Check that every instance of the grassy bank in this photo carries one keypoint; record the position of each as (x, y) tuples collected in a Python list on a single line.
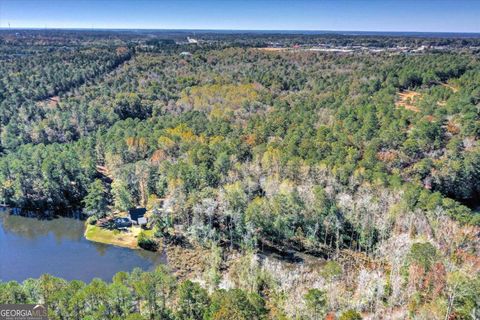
[(127, 239)]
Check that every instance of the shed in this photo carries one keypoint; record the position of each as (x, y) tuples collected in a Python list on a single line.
[(135, 214), (142, 221)]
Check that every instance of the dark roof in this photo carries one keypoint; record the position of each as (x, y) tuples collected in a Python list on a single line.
[(137, 213), (122, 222)]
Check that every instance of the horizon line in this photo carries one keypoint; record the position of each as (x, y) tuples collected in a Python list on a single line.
[(234, 29)]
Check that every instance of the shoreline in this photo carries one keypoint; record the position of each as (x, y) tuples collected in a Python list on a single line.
[(112, 237)]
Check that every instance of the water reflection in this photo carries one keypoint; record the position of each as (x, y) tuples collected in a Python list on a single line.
[(30, 228), (30, 247)]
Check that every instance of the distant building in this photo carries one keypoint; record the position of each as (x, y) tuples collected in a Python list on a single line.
[(136, 215), (192, 40), (185, 54)]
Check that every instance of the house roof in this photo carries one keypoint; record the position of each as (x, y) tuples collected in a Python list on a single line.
[(136, 213), (123, 222)]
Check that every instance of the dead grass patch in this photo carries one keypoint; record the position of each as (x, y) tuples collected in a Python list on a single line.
[(406, 99), (387, 156), (451, 87), (187, 262), (452, 127), (442, 103)]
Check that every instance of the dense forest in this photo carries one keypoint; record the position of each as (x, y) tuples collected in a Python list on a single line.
[(156, 295), (371, 157)]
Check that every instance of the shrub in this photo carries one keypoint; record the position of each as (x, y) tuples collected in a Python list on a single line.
[(316, 302), (350, 315), (236, 304), (146, 243), (92, 220), (423, 254), (331, 269)]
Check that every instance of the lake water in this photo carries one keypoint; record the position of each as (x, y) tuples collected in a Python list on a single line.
[(30, 247)]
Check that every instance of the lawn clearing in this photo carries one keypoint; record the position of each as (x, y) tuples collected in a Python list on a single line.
[(127, 239)]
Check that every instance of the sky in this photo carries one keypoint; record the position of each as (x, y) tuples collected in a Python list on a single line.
[(335, 15)]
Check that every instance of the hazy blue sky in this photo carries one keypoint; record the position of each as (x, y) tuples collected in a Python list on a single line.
[(361, 15)]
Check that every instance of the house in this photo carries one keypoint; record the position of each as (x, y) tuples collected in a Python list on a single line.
[(136, 216)]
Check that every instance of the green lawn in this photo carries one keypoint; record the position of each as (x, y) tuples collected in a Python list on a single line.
[(127, 239)]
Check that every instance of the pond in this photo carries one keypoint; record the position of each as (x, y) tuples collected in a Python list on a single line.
[(30, 247)]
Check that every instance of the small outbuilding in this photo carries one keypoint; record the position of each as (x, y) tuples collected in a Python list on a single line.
[(142, 221), (137, 215)]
